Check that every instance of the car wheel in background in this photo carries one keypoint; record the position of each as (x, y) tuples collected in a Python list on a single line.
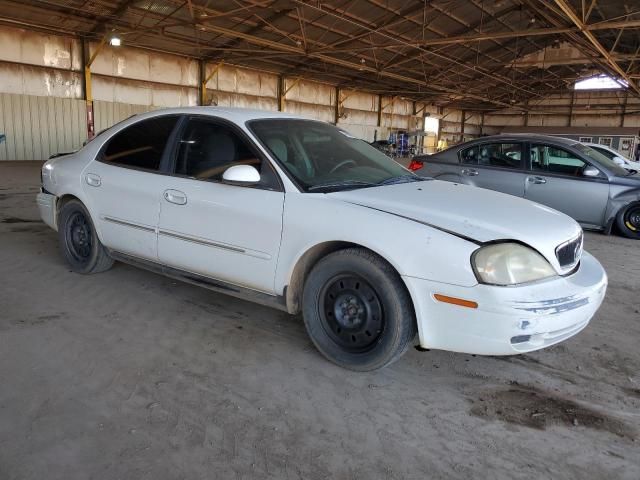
[(78, 240), (357, 310), (628, 220)]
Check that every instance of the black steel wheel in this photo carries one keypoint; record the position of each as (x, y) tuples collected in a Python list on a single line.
[(78, 236), (79, 242), (357, 310), (628, 220), (351, 313)]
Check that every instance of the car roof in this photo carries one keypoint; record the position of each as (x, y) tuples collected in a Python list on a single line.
[(531, 137), (237, 115)]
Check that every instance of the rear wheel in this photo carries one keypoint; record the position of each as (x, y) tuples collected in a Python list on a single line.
[(628, 220), (357, 310), (78, 240)]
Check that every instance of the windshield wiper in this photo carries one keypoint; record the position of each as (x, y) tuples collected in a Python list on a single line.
[(340, 185), (401, 179)]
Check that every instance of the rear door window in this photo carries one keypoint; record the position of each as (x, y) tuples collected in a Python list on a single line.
[(469, 156), (140, 145), (503, 155)]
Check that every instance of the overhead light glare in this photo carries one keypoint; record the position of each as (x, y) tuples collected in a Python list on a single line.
[(115, 41)]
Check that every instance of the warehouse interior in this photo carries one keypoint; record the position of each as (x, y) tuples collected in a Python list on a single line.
[(372, 67), (133, 375)]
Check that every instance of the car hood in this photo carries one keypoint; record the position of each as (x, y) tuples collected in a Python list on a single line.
[(628, 180), (473, 213)]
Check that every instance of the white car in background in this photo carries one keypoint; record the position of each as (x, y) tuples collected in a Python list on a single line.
[(300, 215), (616, 156)]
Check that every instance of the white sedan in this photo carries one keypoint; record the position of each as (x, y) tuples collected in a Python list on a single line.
[(299, 215), (616, 156)]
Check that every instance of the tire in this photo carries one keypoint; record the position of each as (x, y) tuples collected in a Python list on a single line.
[(357, 310), (79, 242), (628, 220)]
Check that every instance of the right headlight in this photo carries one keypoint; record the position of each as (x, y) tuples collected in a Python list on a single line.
[(510, 263)]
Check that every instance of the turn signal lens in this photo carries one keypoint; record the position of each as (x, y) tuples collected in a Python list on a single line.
[(455, 301)]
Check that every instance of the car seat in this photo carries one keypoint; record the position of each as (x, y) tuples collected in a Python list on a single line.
[(485, 158), (279, 149), (210, 154), (470, 156)]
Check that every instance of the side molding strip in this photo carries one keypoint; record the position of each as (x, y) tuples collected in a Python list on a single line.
[(128, 224), (209, 243), (199, 241)]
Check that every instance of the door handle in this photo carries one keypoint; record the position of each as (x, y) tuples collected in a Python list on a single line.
[(175, 196), (536, 180), (472, 172), (93, 179)]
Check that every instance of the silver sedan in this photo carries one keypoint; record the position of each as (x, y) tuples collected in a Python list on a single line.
[(560, 173)]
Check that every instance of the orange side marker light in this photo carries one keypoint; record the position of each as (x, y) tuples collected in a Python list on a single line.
[(455, 301)]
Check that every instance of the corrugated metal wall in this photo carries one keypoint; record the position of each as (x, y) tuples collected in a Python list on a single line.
[(37, 127), (44, 75), (107, 114)]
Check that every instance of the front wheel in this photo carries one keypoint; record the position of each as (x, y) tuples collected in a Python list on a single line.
[(357, 310), (78, 240), (628, 220)]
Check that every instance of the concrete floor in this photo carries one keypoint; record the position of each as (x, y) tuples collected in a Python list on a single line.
[(130, 375)]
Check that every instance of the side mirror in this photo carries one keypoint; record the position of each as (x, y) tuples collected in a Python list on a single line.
[(241, 175), (590, 171), (618, 161)]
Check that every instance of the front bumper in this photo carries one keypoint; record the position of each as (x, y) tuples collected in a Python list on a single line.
[(47, 207), (508, 320)]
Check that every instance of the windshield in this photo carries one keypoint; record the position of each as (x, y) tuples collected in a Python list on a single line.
[(600, 159), (321, 157), (607, 153)]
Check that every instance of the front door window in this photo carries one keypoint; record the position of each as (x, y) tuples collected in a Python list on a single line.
[(552, 159), (208, 148)]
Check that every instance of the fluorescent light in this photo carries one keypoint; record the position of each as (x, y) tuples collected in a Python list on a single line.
[(115, 41)]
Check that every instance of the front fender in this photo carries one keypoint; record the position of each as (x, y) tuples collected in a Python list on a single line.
[(412, 248), (617, 203)]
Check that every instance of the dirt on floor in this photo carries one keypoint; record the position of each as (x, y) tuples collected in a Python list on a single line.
[(131, 375)]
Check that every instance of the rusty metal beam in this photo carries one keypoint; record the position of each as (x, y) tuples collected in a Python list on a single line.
[(496, 77), (568, 11)]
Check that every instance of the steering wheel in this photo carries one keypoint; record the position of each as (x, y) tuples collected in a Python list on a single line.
[(341, 164)]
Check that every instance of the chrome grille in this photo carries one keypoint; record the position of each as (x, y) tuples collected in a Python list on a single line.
[(569, 253)]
